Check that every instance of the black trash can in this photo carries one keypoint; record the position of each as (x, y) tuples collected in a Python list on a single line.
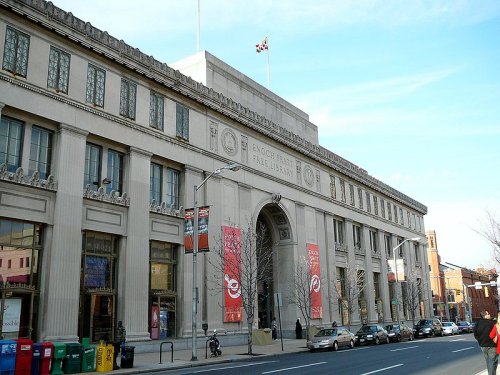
[(127, 359)]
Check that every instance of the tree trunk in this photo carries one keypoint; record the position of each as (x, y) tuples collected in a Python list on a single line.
[(250, 330)]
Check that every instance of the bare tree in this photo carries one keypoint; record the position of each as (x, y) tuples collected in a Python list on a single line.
[(299, 292), (491, 231), (250, 265), (412, 295), (350, 286)]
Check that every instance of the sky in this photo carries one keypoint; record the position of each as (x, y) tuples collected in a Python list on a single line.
[(408, 90)]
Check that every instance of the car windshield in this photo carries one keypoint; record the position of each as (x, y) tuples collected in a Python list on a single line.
[(325, 332), (463, 323), (424, 322), (390, 327), (368, 329), (447, 324)]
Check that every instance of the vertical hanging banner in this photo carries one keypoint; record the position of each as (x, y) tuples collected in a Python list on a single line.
[(233, 302), (315, 282), (203, 214)]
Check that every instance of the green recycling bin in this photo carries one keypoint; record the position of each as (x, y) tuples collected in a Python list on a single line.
[(59, 355), (72, 364), (88, 358)]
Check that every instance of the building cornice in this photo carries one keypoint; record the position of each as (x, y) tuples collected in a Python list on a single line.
[(46, 14)]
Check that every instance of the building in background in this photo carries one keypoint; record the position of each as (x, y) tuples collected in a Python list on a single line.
[(100, 148)]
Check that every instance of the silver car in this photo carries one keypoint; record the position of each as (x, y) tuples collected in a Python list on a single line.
[(450, 328), (331, 339)]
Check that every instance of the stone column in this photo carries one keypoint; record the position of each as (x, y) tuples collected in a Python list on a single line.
[(331, 270), (351, 262), (133, 292), (62, 257), (369, 294), (384, 290)]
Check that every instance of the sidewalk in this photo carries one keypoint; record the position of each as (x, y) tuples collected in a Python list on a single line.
[(147, 362)]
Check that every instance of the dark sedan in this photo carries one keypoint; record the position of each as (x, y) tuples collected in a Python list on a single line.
[(372, 334), (398, 332), (464, 327)]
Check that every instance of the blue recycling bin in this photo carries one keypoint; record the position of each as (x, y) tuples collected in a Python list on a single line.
[(8, 349), (36, 359)]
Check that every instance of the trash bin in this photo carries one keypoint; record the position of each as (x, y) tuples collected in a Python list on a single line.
[(36, 358), (104, 361), (24, 355), (8, 350), (58, 357), (88, 358), (47, 355), (72, 363), (127, 358)]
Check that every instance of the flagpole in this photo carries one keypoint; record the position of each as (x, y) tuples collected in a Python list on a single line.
[(198, 30), (268, 69)]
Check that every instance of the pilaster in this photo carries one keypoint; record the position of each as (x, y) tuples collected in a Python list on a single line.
[(369, 295), (351, 263), (384, 290)]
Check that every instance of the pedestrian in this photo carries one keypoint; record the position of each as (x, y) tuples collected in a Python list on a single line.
[(334, 324), (298, 329), (482, 334), (274, 328), (121, 334)]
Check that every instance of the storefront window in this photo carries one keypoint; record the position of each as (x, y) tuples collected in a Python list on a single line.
[(20, 249), (98, 288), (163, 263)]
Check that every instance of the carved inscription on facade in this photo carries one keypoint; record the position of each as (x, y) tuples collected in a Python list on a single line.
[(274, 162)]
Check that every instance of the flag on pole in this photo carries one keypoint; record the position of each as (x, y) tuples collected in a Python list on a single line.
[(264, 46)]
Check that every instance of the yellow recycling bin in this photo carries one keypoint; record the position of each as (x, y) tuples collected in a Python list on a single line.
[(104, 361)]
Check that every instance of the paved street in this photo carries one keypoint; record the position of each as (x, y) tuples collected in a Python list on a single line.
[(458, 355)]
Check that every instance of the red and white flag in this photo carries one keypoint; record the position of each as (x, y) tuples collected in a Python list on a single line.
[(264, 46)]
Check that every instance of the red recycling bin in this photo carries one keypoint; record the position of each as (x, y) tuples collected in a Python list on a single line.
[(24, 356), (47, 355)]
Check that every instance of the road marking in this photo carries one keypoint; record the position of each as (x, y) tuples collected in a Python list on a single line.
[(235, 366), (353, 350), (293, 368), (410, 347), (457, 340), (461, 350), (382, 369)]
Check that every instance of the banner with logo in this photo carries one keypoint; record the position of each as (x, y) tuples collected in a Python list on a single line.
[(315, 282), (233, 302), (203, 213)]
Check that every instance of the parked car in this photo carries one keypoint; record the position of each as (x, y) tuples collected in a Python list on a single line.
[(372, 334), (331, 339), (398, 332), (464, 327), (428, 327), (450, 328)]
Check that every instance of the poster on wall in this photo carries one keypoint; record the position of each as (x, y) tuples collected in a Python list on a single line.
[(233, 302), (11, 315), (315, 286), (155, 317), (203, 214)]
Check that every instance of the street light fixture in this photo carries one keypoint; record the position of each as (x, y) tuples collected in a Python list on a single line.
[(232, 167), (396, 269)]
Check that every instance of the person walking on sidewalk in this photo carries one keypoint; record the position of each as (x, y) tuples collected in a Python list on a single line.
[(274, 328), (482, 334), (298, 329)]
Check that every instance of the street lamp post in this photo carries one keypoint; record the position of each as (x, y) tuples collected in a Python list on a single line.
[(232, 167), (396, 271)]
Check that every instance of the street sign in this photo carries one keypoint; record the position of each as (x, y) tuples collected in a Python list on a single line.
[(477, 285), (394, 301)]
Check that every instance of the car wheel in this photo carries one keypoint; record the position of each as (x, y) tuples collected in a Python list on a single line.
[(312, 350), (377, 340), (335, 346), (351, 344)]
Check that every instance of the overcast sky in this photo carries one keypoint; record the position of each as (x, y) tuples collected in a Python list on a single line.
[(408, 90)]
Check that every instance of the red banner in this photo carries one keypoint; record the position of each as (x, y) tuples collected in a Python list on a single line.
[(315, 282), (203, 213), (232, 272)]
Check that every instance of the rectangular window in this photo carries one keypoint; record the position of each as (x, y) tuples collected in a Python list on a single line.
[(333, 192), (92, 172), (389, 211), (360, 198), (9, 264), (400, 248), (155, 183), (182, 122), (15, 53), (341, 282), (351, 194), (342, 191), (388, 246), (373, 241), (408, 218), (375, 205), (417, 253), (368, 202), (96, 79), (382, 207), (401, 215), (156, 111), (21, 262), (128, 92), (173, 188), (11, 140), (27, 262), (356, 235), (376, 285), (163, 260), (58, 76), (338, 231), (115, 171), (396, 214), (40, 152)]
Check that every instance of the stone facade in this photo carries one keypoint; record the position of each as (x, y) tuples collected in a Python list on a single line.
[(121, 127)]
